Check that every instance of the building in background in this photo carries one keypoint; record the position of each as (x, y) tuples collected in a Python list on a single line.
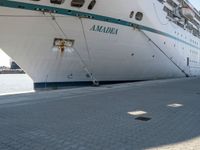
[(8, 66), (13, 65), (12, 69)]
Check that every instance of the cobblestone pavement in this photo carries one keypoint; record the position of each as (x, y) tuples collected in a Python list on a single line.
[(104, 118)]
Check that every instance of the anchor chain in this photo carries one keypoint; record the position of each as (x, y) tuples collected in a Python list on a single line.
[(84, 65)]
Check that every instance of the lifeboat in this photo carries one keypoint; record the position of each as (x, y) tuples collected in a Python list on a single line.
[(187, 13)]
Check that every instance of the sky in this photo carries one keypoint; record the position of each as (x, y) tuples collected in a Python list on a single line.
[(196, 3), (5, 60)]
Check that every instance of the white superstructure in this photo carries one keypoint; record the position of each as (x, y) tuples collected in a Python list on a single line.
[(69, 42)]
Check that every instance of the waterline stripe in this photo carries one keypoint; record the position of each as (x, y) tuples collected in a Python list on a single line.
[(36, 7), (75, 84)]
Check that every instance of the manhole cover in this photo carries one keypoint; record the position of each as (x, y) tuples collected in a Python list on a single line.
[(143, 118)]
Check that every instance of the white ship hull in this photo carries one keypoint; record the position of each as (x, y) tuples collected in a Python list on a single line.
[(144, 50)]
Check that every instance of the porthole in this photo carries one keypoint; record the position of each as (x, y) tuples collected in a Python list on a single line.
[(131, 14), (92, 4), (57, 1), (139, 16), (77, 3)]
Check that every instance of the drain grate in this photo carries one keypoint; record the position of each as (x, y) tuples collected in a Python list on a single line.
[(143, 118)]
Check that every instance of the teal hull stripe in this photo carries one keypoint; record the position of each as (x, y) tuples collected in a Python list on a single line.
[(35, 7)]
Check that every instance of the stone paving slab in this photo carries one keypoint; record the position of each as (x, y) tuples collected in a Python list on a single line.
[(104, 118)]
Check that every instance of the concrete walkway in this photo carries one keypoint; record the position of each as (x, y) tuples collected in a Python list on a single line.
[(154, 115)]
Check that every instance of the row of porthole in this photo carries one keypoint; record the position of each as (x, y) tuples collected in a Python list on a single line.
[(194, 52), (194, 42), (74, 3), (138, 16), (80, 3), (193, 61), (191, 51), (80, 15), (191, 41)]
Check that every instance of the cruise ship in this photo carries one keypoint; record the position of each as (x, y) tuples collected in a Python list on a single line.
[(62, 43)]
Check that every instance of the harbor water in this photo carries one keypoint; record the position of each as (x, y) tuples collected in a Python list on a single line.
[(15, 83)]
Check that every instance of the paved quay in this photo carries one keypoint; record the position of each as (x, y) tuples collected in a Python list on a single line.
[(153, 115)]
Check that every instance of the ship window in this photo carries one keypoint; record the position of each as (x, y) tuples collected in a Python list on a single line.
[(139, 16), (131, 14), (92, 4), (77, 3), (57, 1)]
